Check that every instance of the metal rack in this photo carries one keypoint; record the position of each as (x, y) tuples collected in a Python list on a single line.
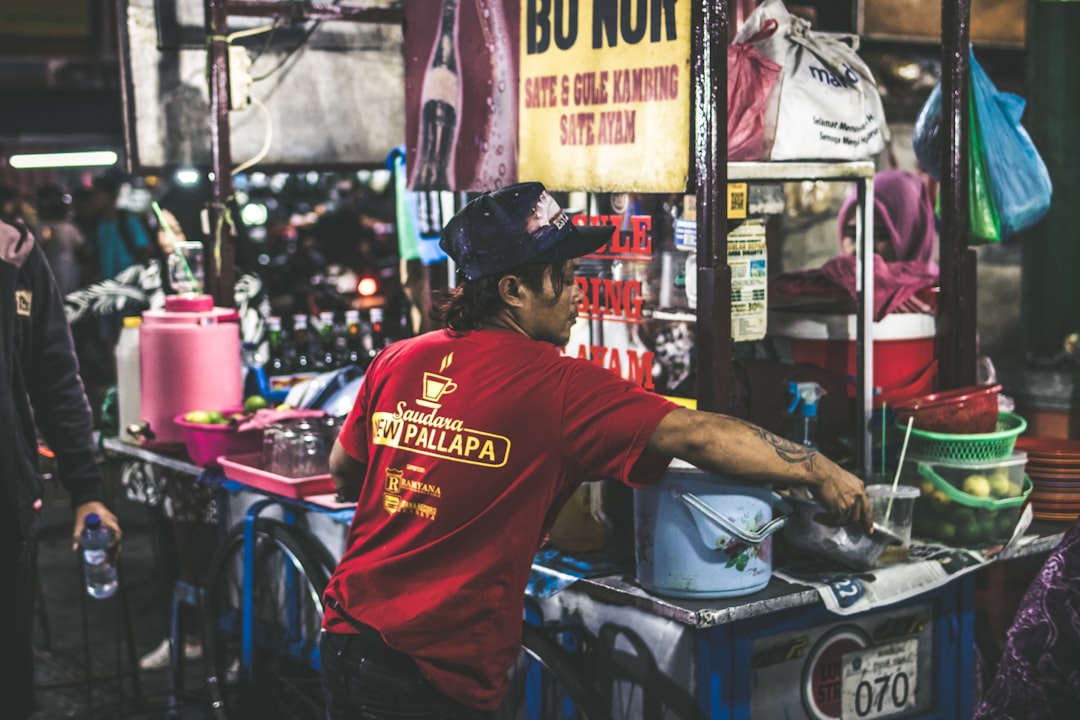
[(862, 173), (710, 175)]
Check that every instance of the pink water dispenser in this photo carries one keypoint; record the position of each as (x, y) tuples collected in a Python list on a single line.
[(189, 355)]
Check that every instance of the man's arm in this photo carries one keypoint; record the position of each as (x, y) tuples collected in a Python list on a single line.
[(736, 448), (347, 472), (59, 400)]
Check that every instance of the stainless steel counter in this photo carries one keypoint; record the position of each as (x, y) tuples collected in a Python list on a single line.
[(178, 462), (621, 590)]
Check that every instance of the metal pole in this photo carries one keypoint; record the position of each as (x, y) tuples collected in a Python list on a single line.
[(956, 312), (709, 140), (864, 335), (220, 251)]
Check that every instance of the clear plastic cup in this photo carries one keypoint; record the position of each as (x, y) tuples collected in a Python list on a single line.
[(893, 508), (185, 266)]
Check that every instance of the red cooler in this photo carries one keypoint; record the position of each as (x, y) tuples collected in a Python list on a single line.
[(905, 352), (189, 355)]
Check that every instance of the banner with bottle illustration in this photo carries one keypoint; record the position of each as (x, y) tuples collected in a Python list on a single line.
[(605, 95), (461, 90)]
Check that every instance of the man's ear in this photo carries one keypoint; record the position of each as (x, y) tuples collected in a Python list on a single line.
[(510, 290)]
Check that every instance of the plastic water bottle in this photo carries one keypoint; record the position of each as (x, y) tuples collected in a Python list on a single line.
[(100, 573)]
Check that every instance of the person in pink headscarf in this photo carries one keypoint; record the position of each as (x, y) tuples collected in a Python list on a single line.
[(904, 244), (903, 220)]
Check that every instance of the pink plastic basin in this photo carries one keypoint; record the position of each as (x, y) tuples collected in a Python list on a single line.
[(206, 443)]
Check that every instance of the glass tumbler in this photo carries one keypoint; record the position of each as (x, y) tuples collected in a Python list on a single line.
[(314, 459), (286, 453)]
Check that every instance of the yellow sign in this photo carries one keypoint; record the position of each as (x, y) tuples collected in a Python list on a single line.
[(736, 201), (604, 101)]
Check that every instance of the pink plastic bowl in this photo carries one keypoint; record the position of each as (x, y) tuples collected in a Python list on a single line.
[(963, 411), (205, 443)]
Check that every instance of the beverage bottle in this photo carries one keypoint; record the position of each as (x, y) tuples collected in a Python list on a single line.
[(326, 340), (128, 377), (377, 339), (275, 339), (302, 340), (354, 339), (440, 100), (339, 337), (100, 573)]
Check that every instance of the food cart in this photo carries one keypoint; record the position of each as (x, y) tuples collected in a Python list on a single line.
[(798, 648)]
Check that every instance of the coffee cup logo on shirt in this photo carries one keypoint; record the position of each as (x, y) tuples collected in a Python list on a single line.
[(426, 432), (435, 386)]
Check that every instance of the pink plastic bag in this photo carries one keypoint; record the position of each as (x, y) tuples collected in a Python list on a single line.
[(750, 79)]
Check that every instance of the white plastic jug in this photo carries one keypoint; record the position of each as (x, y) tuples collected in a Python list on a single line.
[(701, 536), (128, 377)]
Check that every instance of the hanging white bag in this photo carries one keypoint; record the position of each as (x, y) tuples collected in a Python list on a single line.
[(826, 104)]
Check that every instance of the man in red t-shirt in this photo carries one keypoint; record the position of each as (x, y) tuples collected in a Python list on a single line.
[(462, 447)]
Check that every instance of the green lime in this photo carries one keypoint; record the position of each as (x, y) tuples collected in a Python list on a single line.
[(1004, 523), (961, 515), (946, 532), (216, 417), (969, 532), (201, 417), (999, 483), (977, 485), (255, 402)]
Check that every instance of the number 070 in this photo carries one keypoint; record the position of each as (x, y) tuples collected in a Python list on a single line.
[(894, 688)]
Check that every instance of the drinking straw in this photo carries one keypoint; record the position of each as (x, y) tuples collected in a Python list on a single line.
[(884, 413), (899, 466), (175, 240)]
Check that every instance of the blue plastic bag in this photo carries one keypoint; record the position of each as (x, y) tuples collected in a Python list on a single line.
[(983, 221), (926, 137), (1019, 180)]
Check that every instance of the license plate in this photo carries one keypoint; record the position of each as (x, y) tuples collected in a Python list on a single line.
[(879, 682)]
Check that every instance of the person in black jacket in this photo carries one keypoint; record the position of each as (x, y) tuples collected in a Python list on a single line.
[(40, 388)]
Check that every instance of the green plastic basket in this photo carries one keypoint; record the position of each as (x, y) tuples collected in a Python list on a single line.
[(964, 448)]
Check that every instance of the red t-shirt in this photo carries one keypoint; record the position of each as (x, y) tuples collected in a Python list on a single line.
[(472, 444)]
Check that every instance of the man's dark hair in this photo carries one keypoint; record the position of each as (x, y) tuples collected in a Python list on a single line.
[(53, 202), (468, 305)]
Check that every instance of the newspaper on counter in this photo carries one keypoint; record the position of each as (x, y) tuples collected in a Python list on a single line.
[(930, 566)]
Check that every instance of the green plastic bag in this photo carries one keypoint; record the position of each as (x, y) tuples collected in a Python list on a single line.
[(982, 213)]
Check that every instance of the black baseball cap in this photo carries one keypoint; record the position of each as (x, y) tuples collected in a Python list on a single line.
[(516, 225)]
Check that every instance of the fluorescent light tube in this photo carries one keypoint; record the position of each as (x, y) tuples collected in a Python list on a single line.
[(95, 158)]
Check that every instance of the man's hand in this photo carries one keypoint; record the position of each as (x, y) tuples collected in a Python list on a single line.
[(844, 497), (739, 450), (107, 519)]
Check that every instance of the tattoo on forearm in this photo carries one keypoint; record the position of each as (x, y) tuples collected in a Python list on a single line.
[(786, 450)]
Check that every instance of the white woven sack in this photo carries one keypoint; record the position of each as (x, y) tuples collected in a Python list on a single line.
[(826, 105)]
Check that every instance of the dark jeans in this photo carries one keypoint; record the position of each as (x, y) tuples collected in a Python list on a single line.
[(363, 679), (16, 630)]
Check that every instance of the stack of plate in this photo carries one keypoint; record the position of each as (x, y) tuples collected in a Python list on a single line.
[(1054, 468)]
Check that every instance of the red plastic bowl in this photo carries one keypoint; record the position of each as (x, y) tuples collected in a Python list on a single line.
[(206, 443), (964, 411)]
